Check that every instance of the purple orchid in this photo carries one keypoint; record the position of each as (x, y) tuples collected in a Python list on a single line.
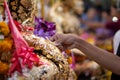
[(43, 28)]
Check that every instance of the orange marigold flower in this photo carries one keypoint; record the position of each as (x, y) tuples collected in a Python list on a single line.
[(3, 67), (6, 45), (70, 60), (4, 29)]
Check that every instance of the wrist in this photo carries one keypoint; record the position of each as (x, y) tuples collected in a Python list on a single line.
[(77, 42)]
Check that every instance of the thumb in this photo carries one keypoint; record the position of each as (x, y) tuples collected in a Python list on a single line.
[(60, 47)]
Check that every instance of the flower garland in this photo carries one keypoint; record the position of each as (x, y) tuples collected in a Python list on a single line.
[(6, 45), (71, 58), (6, 41), (3, 67), (4, 29)]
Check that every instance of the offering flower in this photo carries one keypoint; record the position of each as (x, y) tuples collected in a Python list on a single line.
[(44, 28)]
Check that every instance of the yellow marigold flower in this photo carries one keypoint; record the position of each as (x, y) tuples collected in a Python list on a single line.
[(3, 67), (68, 51), (6, 45), (4, 29), (70, 60)]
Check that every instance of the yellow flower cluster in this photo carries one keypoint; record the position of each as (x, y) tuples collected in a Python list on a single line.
[(70, 60), (6, 45), (3, 67), (7, 42), (68, 52), (4, 29)]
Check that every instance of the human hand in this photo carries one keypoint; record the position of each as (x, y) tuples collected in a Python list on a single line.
[(65, 41)]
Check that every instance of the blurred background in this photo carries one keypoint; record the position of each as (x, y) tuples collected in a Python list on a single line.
[(96, 21)]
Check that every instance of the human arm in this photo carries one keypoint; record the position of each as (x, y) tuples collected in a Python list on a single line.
[(95, 24), (102, 57), (92, 24)]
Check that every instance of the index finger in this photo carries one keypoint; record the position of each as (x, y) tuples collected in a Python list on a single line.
[(54, 37)]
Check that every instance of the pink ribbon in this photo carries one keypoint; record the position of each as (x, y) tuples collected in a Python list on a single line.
[(28, 57), (15, 66), (22, 28), (23, 52)]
